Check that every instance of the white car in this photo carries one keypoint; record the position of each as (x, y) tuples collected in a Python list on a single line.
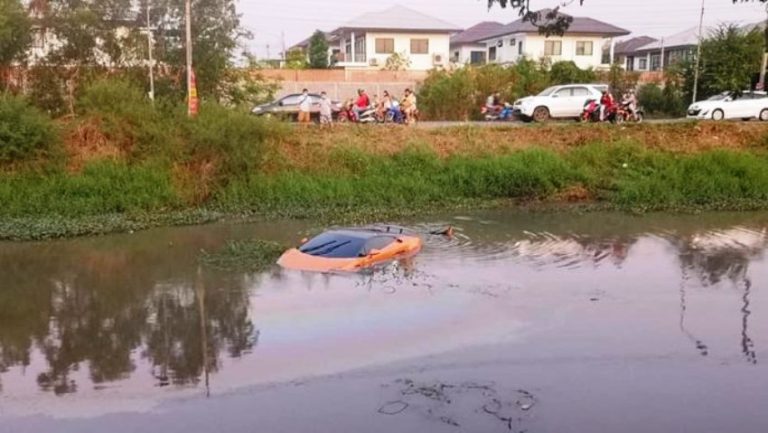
[(729, 105), (565, 101)]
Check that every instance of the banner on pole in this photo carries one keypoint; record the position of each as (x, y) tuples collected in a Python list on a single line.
[(193, 101)]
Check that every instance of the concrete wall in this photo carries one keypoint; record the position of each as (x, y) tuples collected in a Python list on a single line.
[(343, 84)]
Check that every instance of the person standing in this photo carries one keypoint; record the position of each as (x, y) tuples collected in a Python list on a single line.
[(326, 114), (305, 106), (409, 106)]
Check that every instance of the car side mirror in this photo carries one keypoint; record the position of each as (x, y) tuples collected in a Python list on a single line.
[(280, 103)]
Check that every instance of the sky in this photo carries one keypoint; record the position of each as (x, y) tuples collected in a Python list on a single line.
[(269, 20)]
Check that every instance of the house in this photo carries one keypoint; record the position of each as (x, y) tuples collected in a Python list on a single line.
[(582, 43), (624, 52), (672, 49), (466, 47), (367, 41)]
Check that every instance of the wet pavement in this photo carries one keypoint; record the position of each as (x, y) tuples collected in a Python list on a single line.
[(520, 322)]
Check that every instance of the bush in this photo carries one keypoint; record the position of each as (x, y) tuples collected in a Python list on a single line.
[(651, 97), (25, 132), (234, 140), (128, 118), (567, 72)]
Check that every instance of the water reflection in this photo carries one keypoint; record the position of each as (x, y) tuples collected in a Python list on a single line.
[(94, 312)]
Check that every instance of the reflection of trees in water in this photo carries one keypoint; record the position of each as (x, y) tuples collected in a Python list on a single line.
[(95, 307), (716, 258)]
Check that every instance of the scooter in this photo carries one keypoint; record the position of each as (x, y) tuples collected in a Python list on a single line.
[(591, 112), (347, 114), (504, 113), (624, 114)]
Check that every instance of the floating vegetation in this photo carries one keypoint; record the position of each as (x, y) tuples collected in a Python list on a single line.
[(243, 256)]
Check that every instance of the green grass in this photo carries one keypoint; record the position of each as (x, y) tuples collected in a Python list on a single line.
[(122, 196), (101, 188)]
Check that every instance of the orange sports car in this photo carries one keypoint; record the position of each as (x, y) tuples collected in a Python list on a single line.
[(349, 250)]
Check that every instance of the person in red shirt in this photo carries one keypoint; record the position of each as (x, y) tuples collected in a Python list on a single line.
[(606, 104), (362, 103)]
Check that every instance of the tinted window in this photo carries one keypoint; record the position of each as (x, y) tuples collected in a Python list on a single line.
[(336, 245), (580, 91), (290, 100)]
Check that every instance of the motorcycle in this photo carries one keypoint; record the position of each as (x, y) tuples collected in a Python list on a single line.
[(591, 112), (503, 113), (624, 114), (348, 115)]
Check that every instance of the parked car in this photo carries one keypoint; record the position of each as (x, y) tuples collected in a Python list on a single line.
[(288, 107), (564, 101), (730, 105)]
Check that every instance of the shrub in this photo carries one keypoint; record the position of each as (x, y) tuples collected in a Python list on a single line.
[(233, 139), (25, 132), (651, 97), (567, 72)]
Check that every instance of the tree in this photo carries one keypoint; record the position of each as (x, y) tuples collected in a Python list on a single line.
[(15, 34), (318, 51), (548, 21), (729, 59), (397, 62), (296, 59), (765, 39)]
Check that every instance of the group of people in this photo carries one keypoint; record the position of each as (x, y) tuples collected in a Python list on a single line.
[(608, 103), (404, 108)]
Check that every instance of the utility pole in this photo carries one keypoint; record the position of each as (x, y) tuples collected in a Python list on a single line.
[(282, 37), (698, 54), (151, 61), (761, 83), (191, 85)]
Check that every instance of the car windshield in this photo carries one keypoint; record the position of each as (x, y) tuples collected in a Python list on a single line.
[(345, 244), (548, 91), (719, 97)]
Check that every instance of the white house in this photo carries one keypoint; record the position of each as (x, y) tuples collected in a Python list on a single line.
[(466, 47), (369, 40), (582, 43)]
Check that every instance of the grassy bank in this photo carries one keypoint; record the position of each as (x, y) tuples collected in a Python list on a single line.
[(114, 172)]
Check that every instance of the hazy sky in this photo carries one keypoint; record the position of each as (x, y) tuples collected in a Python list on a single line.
[(267, 19)]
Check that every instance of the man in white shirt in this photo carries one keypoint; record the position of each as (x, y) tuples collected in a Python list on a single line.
[(305, 106)]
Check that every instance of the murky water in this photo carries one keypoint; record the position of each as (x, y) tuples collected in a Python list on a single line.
[(538, 323)]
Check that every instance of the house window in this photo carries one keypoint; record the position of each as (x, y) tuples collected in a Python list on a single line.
[(553, 48), (642, 64), (630, 63), (419, 46), (456, 57), (655, 62), (512, 42), (385, 45), (520, 48), (477, 57), (492, 54), (584, 48)]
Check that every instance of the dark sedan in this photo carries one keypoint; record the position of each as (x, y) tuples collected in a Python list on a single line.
[(288, 107)]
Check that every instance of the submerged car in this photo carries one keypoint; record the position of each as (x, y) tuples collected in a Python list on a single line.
[(288, 107), (350, 250), (730, 105), (566, 101)]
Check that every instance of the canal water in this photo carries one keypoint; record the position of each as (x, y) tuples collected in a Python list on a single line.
[(519, 322)]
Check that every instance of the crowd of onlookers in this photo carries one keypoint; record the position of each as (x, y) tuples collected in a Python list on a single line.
[(362, 108)]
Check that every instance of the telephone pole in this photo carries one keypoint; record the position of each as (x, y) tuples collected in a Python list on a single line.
[(151, 61), (761, 84), (698, 53), (191, 87)]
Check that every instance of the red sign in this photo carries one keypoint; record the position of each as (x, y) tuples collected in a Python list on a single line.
[(193, 101)]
